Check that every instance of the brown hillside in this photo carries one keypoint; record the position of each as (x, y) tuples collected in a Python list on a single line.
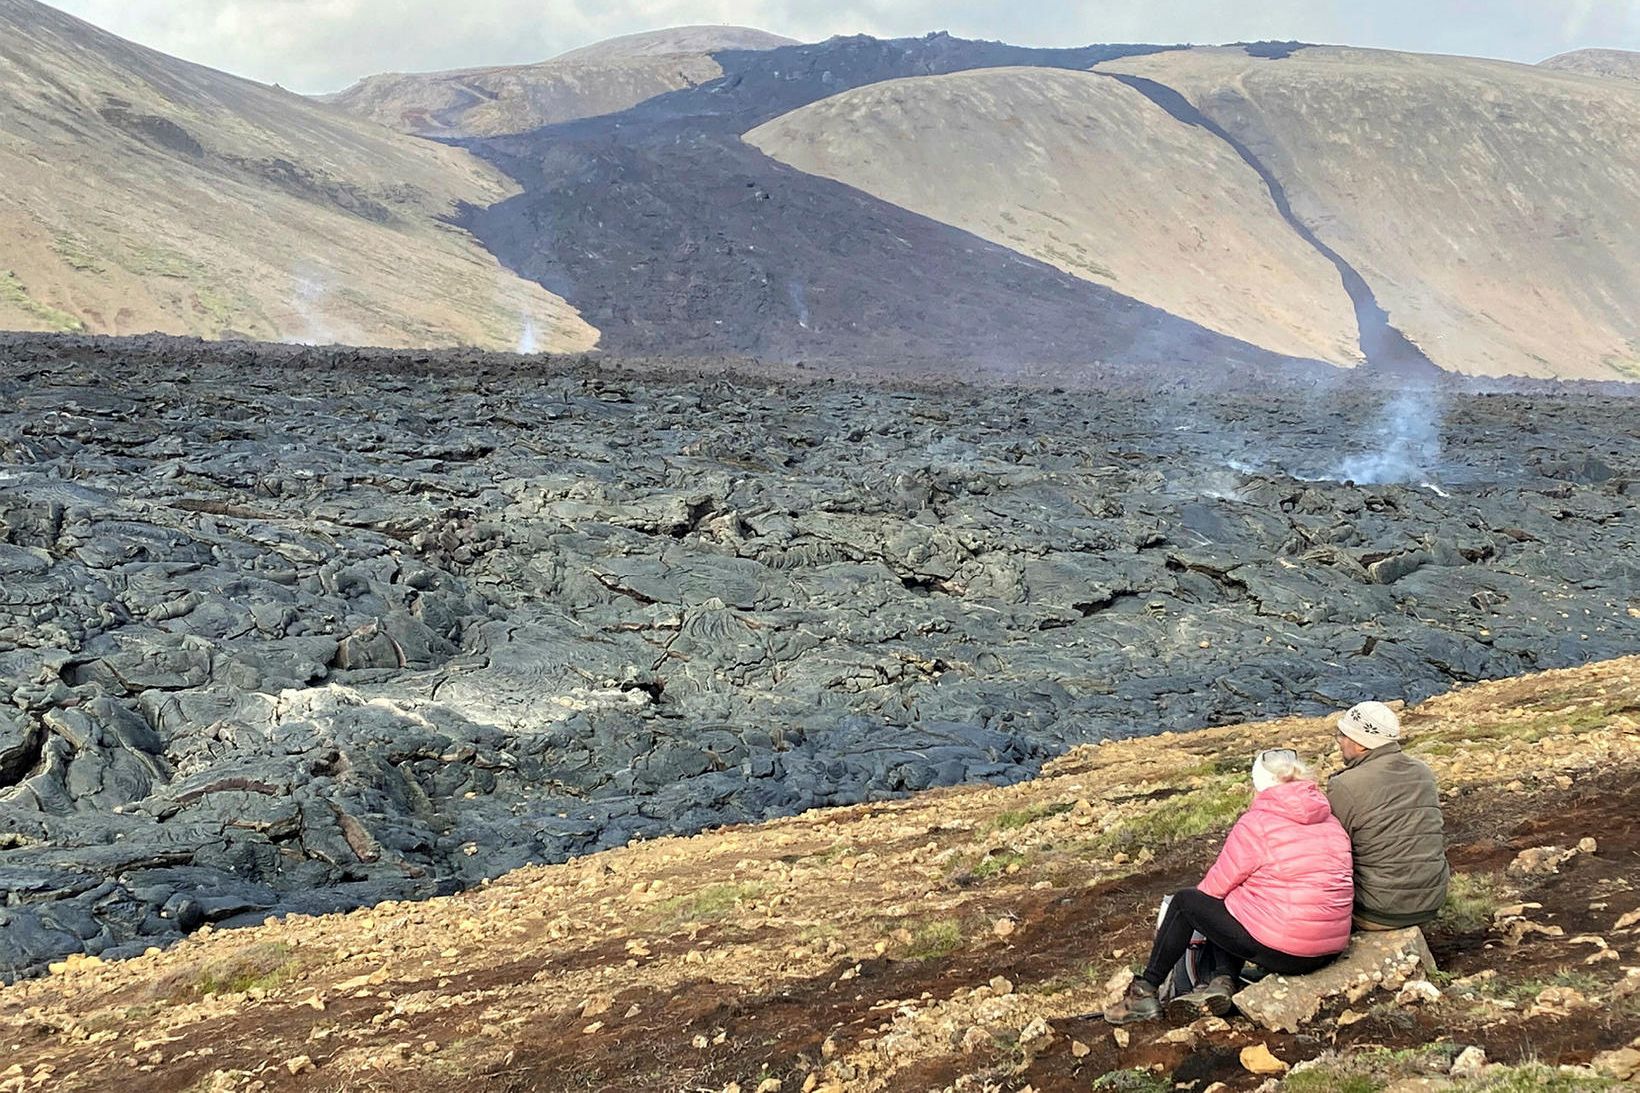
[(1620, 64), (495, 101), (1082, 172), (604, 78), (674, 40), (1489, 205), (950, 941), (145, 193)]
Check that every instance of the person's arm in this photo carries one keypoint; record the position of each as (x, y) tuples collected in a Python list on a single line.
[(1243, 853)]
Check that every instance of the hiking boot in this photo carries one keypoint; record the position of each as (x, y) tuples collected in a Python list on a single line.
[(1212, 998), (1139, 1004)]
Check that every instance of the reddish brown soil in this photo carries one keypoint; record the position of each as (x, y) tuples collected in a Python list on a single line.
[(766, 1032)]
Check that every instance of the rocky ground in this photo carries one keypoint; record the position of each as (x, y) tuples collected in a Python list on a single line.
[(957, 940), (304, 630)]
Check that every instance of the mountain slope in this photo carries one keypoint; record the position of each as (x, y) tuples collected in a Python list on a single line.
[(145, 193), (674, 236), (1620, 64), (1082, 172), (493, 101), (1489, 205), (598, 79)]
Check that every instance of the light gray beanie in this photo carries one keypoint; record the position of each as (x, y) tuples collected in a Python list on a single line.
[(1370, 724)]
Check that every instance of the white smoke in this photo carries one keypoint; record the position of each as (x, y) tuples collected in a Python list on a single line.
[(1408, 442), (309, 302), (800, 302), (527, 342)]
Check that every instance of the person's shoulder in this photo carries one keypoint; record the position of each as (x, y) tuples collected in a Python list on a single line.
[(1343, 792), (1342, 779), (1417, 766)]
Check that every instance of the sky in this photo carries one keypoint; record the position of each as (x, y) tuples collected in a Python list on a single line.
[(324, 45)]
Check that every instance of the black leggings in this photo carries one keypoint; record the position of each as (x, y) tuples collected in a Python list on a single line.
[(1229, 945)]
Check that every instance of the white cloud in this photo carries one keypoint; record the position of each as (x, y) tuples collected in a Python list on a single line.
[(320, 45)]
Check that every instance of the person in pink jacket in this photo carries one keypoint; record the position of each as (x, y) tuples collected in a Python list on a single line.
[(1280, 896)]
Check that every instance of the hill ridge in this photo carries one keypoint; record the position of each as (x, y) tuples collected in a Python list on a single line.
[(146, 193)]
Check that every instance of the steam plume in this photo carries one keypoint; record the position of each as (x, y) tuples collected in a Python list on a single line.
[(311, 293), (1409, 434)]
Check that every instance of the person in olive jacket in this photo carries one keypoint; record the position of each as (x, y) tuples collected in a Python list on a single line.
[(1389, 804)]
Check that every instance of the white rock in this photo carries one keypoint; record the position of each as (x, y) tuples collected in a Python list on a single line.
[(1418, 991), (1469, 1063)]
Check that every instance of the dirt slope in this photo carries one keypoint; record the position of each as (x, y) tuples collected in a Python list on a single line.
[(1620, 64), (950, 941), (1489, 205), (598, 79), (1082, 172), (145, 193)]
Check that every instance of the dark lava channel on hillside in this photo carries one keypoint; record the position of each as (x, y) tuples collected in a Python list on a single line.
[(295, 629), (675, 237)]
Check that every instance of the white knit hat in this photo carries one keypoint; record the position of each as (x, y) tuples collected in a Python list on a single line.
[(1370, 724), (1274, 766)]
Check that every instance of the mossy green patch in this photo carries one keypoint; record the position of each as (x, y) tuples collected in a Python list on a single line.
[(1524, 991), (15, 293), (1015, 818), (77, 255), (1326, 1079), (1171, 820), (935, 939), (219, 309), (995, 865), (1537, 1078), (1471, 900), (159, 262), (1628, 367), (1132, 1081), (1561, 722), (709, 904)]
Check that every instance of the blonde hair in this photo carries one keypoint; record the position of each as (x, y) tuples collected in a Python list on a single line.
[(1287, 770), (1277, 766)]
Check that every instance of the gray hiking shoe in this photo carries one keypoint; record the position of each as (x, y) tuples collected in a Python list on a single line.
[(1139, 1004), (1213, 999)]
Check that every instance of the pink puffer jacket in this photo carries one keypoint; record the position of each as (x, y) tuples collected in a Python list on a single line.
[(1285, 872)]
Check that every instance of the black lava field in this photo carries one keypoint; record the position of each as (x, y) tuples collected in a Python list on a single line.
[(294, 630)]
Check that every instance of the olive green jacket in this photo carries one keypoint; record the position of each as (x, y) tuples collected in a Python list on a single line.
[(1388, 802)]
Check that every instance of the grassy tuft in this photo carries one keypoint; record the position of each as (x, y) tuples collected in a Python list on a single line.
[(826, 857), (1214, 807), (1538, 1078), (709, 904), (1471, 900), (1015, 818), (1132, 1081), (1527, 990), (996, 865), (265, 964), (1327, 1079), (932, 940)]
